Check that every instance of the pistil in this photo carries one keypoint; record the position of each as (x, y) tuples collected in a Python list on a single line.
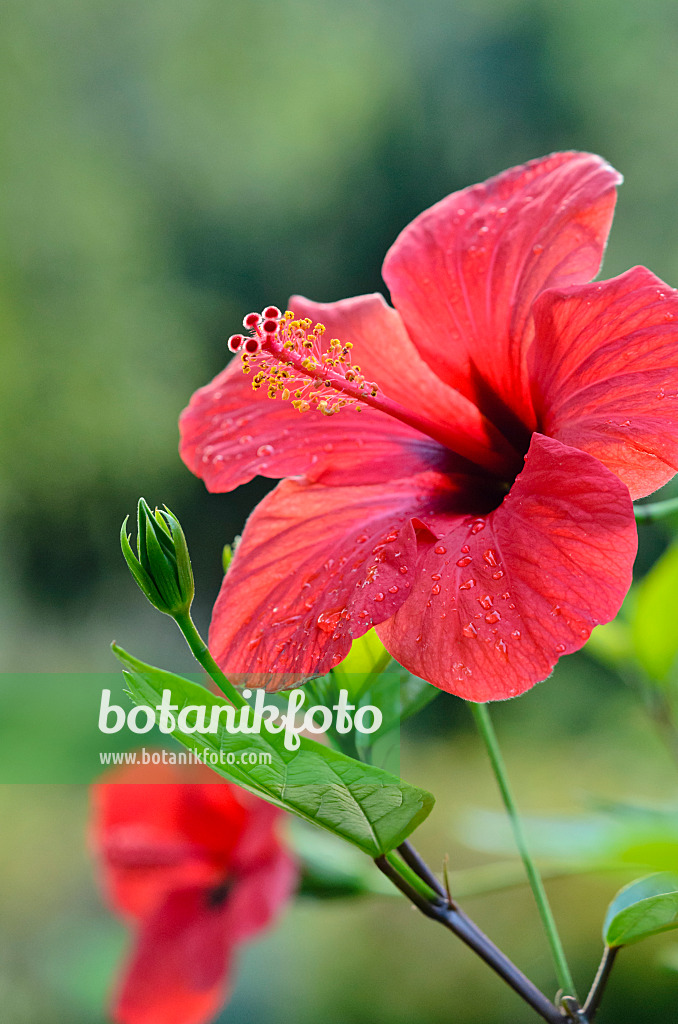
[(294, 362)]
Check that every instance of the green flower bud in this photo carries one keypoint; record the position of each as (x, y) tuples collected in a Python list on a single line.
[(162, 566)]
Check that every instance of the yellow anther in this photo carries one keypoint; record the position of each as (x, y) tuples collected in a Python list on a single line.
[(285, 394)]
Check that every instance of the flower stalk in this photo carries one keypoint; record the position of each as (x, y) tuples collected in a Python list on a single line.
[(483, 721)]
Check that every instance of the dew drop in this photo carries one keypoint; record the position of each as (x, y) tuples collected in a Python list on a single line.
[(435, 589), (512, 607), (361, 539), (477, 525), (492, 617), (327, 621), (660, 393), (498, 574), (485, 602), (491, 558), (560, 648), (363, 614), (254, 642), (470, 630), (393, 590), (436, 576), (465, 549), (403, 569), (556, 610), (244, 439), (467, 585), (440, 549), (515, 635), (466, 560), (264, 450), (379, 596), (418, 639), (501, 647), (537, 250)]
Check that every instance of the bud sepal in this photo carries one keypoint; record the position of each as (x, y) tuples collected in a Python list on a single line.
[(161, 566)]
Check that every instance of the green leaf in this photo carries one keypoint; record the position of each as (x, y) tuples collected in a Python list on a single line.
[(646, 907), (655, 638), (364, 805)]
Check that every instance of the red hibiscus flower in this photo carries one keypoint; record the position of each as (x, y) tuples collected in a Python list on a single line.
[(199, 869), (470, 492)]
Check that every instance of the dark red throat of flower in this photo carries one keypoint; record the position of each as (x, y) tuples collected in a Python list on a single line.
[(295, 363)]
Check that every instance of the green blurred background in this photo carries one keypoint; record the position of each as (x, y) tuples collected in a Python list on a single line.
[(166, 167)]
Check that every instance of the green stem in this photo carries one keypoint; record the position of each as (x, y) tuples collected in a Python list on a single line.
[(655, 510), (202, 655), (484, 723), (410, 876)]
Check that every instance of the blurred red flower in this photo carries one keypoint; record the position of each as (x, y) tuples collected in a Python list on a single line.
[(198, 868), (477, 507)]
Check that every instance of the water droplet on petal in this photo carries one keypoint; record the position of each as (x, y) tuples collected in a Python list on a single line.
[(470, 630), (440, 549), (264, 450), (465, 549), (491, 558), (501, 647), (327, 621), (477, 525), (485, 602), (515, 635), (467, 586), (403, 569), (436, 576), (464, 561), (560, 648), (435, 589), (492, 617), (393, 590), (379, 596), (244, 439), (498, 574)]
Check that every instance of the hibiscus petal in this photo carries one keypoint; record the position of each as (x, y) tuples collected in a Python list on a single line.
[(464, 274), (179, 969), (136, 834), (259, 895), (605, 369), (316, 567), (498, 599)]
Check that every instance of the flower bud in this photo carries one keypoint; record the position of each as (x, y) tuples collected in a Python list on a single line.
[(161, 567)]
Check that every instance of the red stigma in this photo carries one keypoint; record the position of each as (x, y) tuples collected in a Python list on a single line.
[(251, 321), (269, 326), (252, 346), (271, 313), (234, 342)]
